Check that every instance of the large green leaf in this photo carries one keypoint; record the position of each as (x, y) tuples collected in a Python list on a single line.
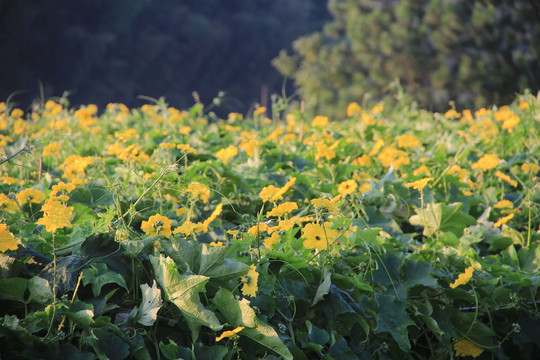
[(392, 317), (214, 265), (442, 217), (239, 313), (13, 289), (40, 290), (183, 291)]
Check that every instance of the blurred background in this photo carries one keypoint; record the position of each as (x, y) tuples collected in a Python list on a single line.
[(327, 52)]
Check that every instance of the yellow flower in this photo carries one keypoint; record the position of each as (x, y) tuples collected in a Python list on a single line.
[(184, 130), (282, 209), (423, 169), (320, 121), (503, 204), (317, 236), (259, 111), (258, 228), (30, 195), (157, 225), (186, 148), (377, 108), (353, 109), (523, 105), (530, 167), (250, 286), (363, 160), (249, 146), (463, 278), (510, 123), (486, 162), (227, 153), (452, 114), (7, 240), (405, 141), (503, 220), (457, 170), (127, 135), (235, 116), (364, 188), (55, 215), (268, 192), (206, 223), (378, 145), (392, 156), (506, 178), (7, 204), (53, 149), (325, 151), (331, 206), (230, 333), (419, 184), (466, 348), (187, 228), (347, 187), (278, 195), (273, 239), (199, 191), (62, 186), (367, 119), (74, 166), (167, 145)]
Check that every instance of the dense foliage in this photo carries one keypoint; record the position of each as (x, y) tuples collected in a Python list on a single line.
[(397, 233), (472, 52)]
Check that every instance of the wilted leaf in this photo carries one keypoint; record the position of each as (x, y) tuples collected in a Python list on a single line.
[(151, 302)]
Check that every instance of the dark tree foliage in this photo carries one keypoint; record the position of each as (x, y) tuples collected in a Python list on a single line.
[(112, 51), (473, 52)]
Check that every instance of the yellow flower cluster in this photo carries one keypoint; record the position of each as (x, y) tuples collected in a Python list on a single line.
[(56, 215), (486, 162)]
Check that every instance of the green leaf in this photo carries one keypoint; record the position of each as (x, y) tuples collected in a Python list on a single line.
[(317, 335), (183, 291), (151, 302), (99, 275), (13, 289), (81, 313), (241, 314), (185, 254), (214, 265), (40, 290), (110, 345), (392, 318), (134, 247), (237, 312), (323, 288), (442, 217), (417, 272)]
